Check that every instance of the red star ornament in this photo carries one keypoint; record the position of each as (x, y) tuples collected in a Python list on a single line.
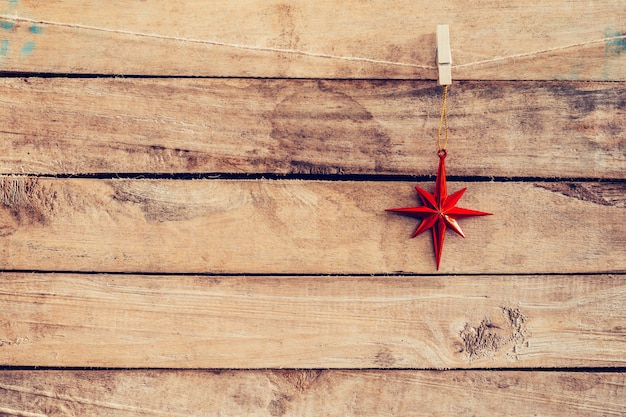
[(439, 210)]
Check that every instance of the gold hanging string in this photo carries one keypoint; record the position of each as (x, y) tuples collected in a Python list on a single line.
[(443, 123)]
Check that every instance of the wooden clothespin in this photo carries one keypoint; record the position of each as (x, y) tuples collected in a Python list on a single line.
[(444, 56)]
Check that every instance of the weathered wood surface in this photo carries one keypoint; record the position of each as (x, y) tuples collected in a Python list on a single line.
[(311, 393), (69, 126), (303, 227), (312, 322), (299, 38), (163, 231)]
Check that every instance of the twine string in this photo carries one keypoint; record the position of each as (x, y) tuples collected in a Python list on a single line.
[(14, 18)]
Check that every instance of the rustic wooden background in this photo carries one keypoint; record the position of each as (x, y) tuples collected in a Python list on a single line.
[(192, 209)]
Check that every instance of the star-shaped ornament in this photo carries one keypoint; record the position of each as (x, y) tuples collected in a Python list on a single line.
[(439, 210)]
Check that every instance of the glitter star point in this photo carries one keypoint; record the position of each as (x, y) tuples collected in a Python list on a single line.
[(439, 210)]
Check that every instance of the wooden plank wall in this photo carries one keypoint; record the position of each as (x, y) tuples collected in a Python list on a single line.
[(192, 202)]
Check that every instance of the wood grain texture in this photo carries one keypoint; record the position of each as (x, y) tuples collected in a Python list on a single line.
[(312, 322), (329, 39), (302, 227), (70, 126), (218, 273), (311, 393)]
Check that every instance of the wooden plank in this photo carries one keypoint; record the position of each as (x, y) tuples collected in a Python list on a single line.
[(302, 227), (148, 321), (69, 126), (504, 40), (311, 393)]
